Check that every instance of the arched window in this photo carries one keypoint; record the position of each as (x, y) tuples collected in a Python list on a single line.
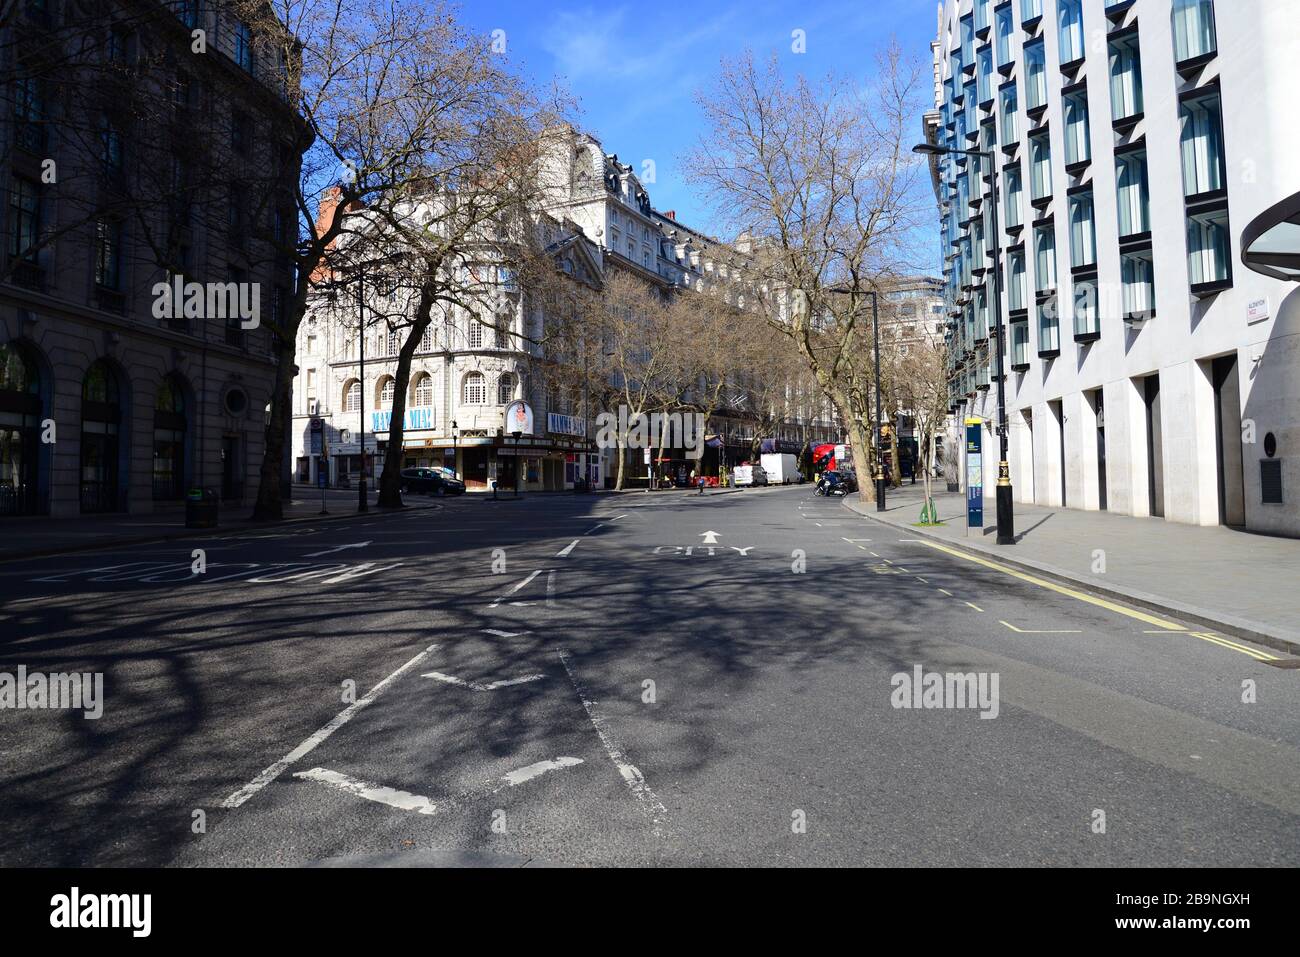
[(475, 389), (103, 475), (385, 393), (352, 396), (505, 388), (422, 394), (20, 428)]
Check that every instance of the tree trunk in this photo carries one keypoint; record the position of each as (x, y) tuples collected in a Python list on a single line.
[(622, 466), (269, 507), (860, 438), (390, 482)]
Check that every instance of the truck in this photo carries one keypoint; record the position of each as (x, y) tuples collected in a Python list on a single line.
[(782, 468)]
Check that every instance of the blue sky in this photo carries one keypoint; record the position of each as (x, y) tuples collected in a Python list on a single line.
[(635, 66)]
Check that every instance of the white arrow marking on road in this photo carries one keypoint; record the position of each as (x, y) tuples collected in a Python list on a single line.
[(538, 769), (331, 551), (403, 800), (340, 719), (475, 686), (518, 585), (710, 538)]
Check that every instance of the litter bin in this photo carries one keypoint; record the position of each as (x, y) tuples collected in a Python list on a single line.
[(201, 508)]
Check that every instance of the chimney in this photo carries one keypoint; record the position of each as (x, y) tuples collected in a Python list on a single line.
[(672, 214)]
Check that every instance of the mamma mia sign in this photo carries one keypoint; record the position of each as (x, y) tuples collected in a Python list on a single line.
[(421, 417)]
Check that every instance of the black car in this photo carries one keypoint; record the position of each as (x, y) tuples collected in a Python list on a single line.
[(430, 482)]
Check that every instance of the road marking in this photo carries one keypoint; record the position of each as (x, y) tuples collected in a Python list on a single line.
[(564, 552), (617, 517), (593, 528), (631, 775), (516, 588), (875, 555), (854, 541), (710, 538), (360, 571), (922, 580), (550, 588), (476, 686), (307, 746), (403, 800), (946, 592), (536, 770), (976, 607), (1028, 631), (1226, 643), (1060, 589), (506, 634), (339, 548)]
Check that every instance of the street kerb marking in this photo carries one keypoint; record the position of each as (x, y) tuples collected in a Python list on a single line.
[(517, 587), (631, 775), (307, 746), (477, 686), (564, 552), (1030, 631), (1059, 589), (1232, 645)]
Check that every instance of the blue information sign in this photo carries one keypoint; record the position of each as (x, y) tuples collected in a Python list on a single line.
[(974, 476)]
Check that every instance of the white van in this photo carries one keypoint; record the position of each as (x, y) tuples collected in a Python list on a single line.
[(749, 475), (782, 468)]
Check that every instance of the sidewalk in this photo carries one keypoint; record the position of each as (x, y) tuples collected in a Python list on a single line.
[(37, 536), (1232, 581)]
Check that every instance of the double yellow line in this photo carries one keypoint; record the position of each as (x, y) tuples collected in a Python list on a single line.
[(1164, 624)]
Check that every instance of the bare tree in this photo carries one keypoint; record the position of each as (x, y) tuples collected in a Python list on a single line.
[(922, 390), (820, 184)]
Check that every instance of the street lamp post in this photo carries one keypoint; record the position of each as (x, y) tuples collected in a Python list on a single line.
[(361, 389), (1006, 513), (455, 459), (880, 455)]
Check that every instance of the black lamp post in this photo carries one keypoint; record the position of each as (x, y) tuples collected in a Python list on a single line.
[(880, 452), (1006, 514), (361, 388), (455, 461)]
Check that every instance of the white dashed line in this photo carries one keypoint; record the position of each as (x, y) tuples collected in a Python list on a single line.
[(564, 552), (516, 588)]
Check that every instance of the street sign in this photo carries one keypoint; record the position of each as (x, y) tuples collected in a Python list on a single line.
[(317, 431), (974, 475)]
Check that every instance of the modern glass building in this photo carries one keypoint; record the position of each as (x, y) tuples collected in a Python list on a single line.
[(1153, 356)]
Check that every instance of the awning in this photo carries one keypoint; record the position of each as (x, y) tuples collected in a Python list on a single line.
[(1270, 244)]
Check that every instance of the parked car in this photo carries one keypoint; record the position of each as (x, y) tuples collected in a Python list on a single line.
[(749, 475), (430, 482)]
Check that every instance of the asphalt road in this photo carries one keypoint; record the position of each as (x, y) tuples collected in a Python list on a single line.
[(580, 680)]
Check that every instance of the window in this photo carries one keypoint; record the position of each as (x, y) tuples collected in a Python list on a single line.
[(1049, 329), (1083, 235), (1013, 197), (982, 8), (1069, 15), (1019, 345), (981, 313), (244, 45), (1045, 258), (475, 334), (1035, 75), (1016, 280), (1010, 104), (24, 218), (986, 75), (1087, 324), (475, 389), (29, 114), (1133, 193), (241, 132), (386, 389), (1209, 247), (426, 339), (505, 388), (352, 396), (1078, 147), (187, 11), (1137, 273), (1040, 167), (968, 39), (1125, 78), (1202, 145), (1004, 30), (1193, 29), (1031, 9), (423, 390), (108, 254), (110, 148)]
